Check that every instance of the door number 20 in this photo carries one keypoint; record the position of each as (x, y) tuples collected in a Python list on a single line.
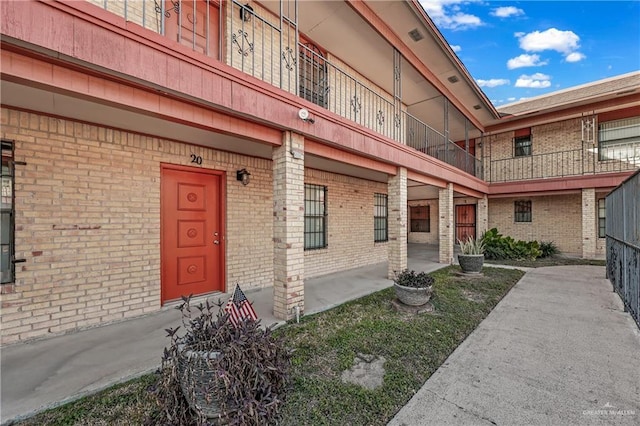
[(196, 159)]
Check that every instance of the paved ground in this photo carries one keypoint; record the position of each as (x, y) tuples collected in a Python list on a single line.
[(48, 372), (557, 350)]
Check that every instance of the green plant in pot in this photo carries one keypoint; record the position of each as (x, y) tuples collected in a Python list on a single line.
[(413, 288), (218, 372), (471, 259)]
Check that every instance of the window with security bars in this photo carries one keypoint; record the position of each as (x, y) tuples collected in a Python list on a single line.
[(380, 218), (522, 146), (7, 215), (313, 75), (601, 218), (315, 216), (620, 140), (419, 219), (522, 211)]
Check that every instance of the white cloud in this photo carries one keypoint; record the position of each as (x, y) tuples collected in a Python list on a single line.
[(447, 14), (494, 82), (535, 81), (525, 60), (511, 99), (574, 57), (507, 11), (455, 47), (552, 39)]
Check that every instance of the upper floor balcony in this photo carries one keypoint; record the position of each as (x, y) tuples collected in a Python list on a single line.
[(327, 54)]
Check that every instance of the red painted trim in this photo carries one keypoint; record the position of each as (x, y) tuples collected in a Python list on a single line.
[(325, 151), (427, 180), (223, 217), (509, 123), (522, 132), (608, 180), (467, 191), (619, 114)]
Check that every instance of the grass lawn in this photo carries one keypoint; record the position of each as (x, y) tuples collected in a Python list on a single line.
[(326, 344), (549, 261)]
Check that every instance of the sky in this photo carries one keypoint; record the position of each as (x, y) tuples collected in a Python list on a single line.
[(521, 49)]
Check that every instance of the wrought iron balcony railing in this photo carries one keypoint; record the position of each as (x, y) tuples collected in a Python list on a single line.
[(565, 163), (269, 47)]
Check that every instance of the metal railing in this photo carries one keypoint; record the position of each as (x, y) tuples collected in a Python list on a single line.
[(267, 47), (565, 163), (623, 243)]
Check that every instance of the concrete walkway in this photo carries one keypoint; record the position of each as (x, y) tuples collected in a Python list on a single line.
[(557, 350), (46, 373)]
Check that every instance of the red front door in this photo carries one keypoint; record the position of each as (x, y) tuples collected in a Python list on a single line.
[(192, 226), (465, 222), (194, 24)]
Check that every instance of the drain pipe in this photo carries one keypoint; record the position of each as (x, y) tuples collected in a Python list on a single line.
[(297, 308)]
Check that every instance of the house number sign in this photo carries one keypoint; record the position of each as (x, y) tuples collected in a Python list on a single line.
[(196, 159)]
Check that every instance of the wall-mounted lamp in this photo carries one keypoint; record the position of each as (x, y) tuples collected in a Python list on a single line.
[(245, 12), (243, 176), (303, 114)]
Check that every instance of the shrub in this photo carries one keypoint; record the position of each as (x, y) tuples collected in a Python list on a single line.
[(499, 247), (472, 246), (548, 249), (243, 368), (408, 278)]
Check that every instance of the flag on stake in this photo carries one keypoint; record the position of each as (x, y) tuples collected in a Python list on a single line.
[(239, 308)]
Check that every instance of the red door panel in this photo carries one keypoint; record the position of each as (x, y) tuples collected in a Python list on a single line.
[(194, 25), (465, 222), (191, 204)]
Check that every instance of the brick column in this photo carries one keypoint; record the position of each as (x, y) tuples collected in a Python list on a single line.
[(482, 219), (589, 231), (446, 225), (288, 226), (397, 197)]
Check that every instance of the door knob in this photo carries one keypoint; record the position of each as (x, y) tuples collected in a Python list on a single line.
[(216, 242)]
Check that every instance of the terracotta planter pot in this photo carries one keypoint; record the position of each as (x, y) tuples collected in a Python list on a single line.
[(471, 263), (413, 296)]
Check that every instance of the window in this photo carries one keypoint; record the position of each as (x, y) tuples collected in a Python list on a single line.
[(420, 219), (522, 146), (7, 224), (315, 216), (522, 211), (620, 140), (601, 218), (380, 218), (313, 75)]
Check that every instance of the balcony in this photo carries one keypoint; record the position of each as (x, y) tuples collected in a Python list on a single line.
[(586, 161), (263, 40)]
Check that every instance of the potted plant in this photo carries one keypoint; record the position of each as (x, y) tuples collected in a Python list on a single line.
[(472, 257), (413, 289), (220, 372)]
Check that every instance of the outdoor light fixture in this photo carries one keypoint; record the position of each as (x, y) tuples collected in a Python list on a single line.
[(245, 12), (243, 176)]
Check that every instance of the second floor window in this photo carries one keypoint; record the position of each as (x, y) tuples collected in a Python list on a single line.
[(522, 211), (313, 75), (315, 216), (522, 146), (620, 140)]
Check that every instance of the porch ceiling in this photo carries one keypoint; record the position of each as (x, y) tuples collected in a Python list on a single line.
[(419, 191)]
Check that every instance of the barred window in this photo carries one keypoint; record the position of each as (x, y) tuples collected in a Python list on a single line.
[(420, 219), (7, 224), (522, 211), (602, 232), (620, 140), (315, 216), (522, 146), (380, 218)]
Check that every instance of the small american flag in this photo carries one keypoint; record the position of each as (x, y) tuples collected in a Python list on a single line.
[(239, 308)]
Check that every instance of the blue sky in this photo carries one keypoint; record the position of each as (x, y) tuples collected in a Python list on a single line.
[(521, 49)]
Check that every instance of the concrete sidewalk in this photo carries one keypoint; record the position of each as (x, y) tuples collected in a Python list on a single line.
[(557, 350), (46, 373)]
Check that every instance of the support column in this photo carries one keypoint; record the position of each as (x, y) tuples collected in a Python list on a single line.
[(482, 220), (397, 198), (288, 226), (446, 225), (589, 231)]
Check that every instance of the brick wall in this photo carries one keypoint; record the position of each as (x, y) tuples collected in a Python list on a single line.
[(88, 217), (350, 225), (554, 218)]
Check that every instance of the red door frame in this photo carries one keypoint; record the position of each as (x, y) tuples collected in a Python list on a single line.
[(223, 223)]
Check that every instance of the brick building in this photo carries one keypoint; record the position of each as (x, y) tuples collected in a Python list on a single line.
[(152, 149)]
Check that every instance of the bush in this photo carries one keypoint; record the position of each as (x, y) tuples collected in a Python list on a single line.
[(499, 247), (243, 368), (548, 249), (412, 279)]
